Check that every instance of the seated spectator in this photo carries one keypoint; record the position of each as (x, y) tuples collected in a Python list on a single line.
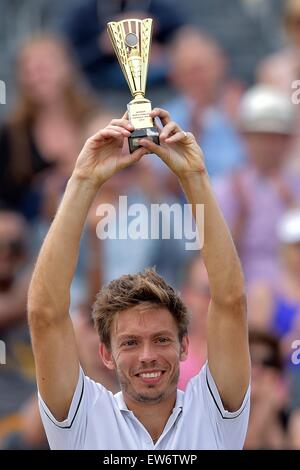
[(30, 434), (17, 378), (276, 308), (47, 123), (282, 69), (268, 419), (254, 198), (85, 28), (198, 72), (294, 430)]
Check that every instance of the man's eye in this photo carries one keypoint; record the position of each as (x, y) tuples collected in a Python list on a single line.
[(162, 340), (130, 342)]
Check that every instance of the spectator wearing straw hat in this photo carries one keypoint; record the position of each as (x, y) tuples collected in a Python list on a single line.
[(254, 198)]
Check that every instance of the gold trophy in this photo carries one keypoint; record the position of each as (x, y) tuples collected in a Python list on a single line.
[(131, 41)]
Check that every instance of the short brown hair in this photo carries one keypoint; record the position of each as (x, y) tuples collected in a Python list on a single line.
[(130, 290)]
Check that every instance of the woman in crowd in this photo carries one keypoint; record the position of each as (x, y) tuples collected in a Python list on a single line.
[(46, 125)]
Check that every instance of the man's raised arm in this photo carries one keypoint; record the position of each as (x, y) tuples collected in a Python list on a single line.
[(53, 340), (228, 351)]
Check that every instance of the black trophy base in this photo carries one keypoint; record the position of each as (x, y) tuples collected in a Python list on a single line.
[(150, 133)]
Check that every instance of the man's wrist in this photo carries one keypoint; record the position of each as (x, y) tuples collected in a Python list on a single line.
[(192, 177), (78, 178)]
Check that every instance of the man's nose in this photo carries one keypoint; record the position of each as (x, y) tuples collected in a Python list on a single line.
[(148, 353)]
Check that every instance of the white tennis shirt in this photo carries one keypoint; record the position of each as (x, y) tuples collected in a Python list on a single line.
[(98, 419)]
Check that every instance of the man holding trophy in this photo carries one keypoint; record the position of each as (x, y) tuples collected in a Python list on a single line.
[(142, 322)]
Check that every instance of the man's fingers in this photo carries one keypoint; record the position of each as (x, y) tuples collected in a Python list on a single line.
[(121, 123), (154, 148), (120, 129), (170, 129), (178, 137), (106, 133), (138, 154), (113, 130), (127, 160), (162, 114)]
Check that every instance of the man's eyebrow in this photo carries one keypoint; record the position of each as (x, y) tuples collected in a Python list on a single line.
[(127, 336), (132, 336), (163, 333)]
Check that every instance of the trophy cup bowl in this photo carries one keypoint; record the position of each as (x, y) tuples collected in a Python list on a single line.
[(131, 40)]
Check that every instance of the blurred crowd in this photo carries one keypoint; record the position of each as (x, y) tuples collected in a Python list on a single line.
[(250, 136)]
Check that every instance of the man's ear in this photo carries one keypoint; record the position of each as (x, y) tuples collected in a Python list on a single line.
[(106, 356), (184, 348)]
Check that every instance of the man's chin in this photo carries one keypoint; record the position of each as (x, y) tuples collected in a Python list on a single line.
[(153, 398), (148, 394)]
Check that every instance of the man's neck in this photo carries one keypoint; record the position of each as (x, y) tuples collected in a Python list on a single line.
[(153, 416)]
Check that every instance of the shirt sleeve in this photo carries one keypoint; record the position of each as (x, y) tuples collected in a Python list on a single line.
[(229, 428), (70, 433)]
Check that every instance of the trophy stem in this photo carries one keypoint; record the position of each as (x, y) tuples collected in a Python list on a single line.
[(139, 97)]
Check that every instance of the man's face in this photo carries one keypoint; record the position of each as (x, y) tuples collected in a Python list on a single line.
[(145, 351)]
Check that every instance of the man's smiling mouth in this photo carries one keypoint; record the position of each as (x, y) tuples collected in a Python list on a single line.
[(151, 377)]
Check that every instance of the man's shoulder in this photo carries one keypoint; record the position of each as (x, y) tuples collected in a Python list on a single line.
[(195, 383), (96, 387)]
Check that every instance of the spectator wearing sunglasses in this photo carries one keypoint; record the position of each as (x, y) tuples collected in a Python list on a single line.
[(268, 420)]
